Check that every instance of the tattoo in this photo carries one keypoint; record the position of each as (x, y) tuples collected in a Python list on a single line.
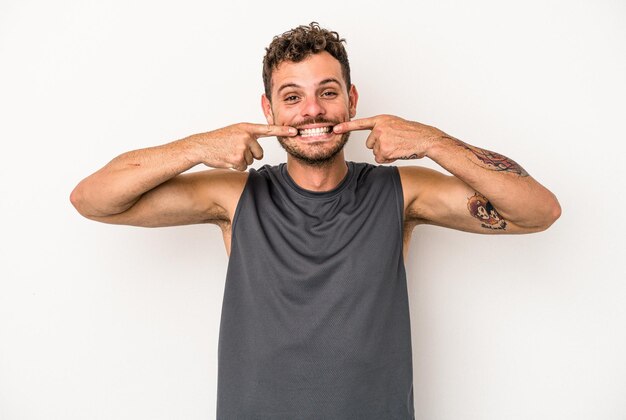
[(413, 156), (493, 161), (480, 208)]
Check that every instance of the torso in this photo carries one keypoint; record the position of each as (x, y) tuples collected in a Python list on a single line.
[(225, 224), (311, 274), (226, 228)]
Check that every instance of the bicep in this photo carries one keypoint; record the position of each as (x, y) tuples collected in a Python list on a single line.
[(200, 197), (444, 200)]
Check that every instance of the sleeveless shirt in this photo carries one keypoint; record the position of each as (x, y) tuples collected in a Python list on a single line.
[(315, 315)]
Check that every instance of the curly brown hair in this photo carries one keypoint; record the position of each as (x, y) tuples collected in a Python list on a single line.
[(299, 43)]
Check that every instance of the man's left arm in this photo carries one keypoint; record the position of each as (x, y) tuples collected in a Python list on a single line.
[(488, 192)]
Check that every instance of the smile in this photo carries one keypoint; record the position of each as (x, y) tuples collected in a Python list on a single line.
[(310, 132)]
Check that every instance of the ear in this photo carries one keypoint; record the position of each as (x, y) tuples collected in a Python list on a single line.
[(267, 109), (353, 95)]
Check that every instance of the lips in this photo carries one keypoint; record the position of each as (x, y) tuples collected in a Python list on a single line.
[(315, 131)]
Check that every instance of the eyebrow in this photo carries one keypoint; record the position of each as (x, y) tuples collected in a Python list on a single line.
[(330, 80), (323, 82)]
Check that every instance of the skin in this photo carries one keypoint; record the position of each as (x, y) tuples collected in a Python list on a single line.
[(148, 187), (312, 89)]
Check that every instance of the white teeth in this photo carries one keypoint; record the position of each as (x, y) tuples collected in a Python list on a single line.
[(314, 131)]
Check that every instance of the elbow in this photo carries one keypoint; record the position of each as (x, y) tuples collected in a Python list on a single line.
[(556, 211), (76, 198), (88, 204), (551, 214), (540, 218)]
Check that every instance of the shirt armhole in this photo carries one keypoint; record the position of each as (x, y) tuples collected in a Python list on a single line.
[(397, 187), (238, 210)]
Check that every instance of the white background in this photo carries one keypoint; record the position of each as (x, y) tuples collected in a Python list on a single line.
[(115, 322)]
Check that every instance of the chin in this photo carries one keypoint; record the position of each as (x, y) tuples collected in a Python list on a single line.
[(314, 152)]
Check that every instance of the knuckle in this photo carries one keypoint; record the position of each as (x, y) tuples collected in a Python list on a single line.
[(236, 159), (239, 126), (246, 128), (240, 165)]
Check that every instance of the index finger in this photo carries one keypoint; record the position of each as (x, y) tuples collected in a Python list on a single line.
[(358, 124), (268, 130)]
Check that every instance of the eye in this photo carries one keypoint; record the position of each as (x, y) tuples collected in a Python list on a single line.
[(291, 98), (329, 94)]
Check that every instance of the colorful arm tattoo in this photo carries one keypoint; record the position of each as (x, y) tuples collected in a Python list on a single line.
[(480, 208), (493, 161)]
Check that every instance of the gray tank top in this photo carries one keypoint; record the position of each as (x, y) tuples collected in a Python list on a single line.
[(315, 317)]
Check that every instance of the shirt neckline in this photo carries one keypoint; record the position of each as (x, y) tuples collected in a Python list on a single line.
[(317, 194)]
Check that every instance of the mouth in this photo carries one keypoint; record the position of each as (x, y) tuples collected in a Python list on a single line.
[(315, 132)]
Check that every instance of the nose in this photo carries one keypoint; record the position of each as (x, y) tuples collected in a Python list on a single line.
[(312, 107)]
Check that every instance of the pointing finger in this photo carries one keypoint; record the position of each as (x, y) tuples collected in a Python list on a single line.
[(358, 124), (268, 130)]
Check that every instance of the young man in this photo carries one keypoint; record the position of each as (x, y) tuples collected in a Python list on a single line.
[(315, 318)]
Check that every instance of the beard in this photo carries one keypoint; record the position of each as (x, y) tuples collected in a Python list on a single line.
[(316, 153)]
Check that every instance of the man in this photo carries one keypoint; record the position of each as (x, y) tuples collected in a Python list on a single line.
[(315, 319)]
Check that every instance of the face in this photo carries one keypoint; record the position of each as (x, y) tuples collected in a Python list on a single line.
[(312, 96)]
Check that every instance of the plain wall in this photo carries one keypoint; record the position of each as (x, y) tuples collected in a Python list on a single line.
[(116, 322)]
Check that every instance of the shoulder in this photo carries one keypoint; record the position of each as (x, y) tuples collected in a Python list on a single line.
[(368, 171), (417, 184), (416, 178), (410, 174)]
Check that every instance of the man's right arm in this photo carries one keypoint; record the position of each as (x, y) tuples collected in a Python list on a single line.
[(145, 187)]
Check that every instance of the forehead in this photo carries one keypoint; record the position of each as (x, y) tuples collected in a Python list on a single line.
[(308, 72)]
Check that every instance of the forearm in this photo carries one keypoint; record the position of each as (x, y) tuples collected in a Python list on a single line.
[(119, 184), (486, 178), (517, 196), (123, 181)]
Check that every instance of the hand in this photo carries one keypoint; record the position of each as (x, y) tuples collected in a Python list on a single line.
[(236, 146), (392, 137)]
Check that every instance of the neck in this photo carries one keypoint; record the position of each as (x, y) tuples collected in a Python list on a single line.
[(317, 178)]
